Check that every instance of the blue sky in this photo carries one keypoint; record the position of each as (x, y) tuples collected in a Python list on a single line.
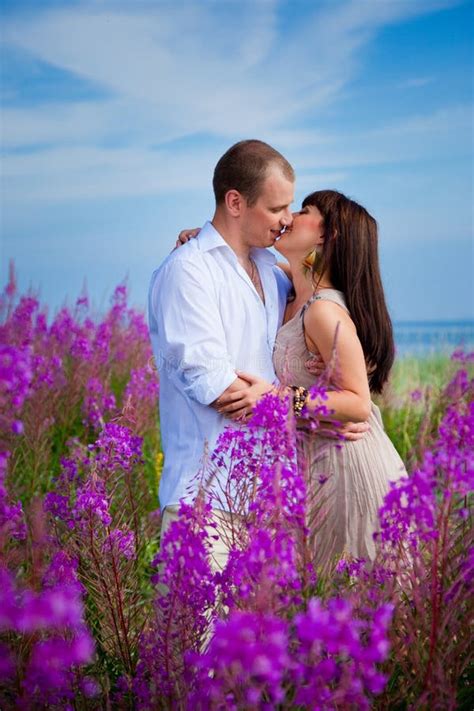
[(115, 113)]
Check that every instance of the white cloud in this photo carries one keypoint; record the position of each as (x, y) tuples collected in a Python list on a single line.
[(62, 123), (61, 174), (183, 68), (216, 67), (415, 82), (225, 70), (77, 172), (441, 133)]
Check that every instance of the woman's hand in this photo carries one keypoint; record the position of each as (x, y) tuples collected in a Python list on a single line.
[(185, 235), (239, 405)]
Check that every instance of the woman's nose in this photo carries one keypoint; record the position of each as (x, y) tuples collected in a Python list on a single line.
[(287, 219)]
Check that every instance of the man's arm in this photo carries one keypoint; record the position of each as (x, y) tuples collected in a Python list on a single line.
[(285, 267), (187, 331), (237, 386)]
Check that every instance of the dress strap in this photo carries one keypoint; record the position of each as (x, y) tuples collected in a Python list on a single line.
[(337, 297), (314, 297), (327, 295)]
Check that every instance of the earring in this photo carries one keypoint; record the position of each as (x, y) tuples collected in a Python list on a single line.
[(312, 261)]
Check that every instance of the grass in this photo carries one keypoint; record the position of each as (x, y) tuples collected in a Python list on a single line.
[(413, 402)]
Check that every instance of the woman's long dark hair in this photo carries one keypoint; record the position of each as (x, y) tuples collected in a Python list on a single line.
[(350, 256)]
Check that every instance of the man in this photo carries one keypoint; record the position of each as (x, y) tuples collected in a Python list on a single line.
[(215, 306)]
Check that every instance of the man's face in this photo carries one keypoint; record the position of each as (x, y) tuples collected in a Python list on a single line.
[(263, 222)]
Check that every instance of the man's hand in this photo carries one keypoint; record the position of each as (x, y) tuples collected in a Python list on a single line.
[(185, 235), (353, 431), (350, 431), (315, 365), (239, 405)]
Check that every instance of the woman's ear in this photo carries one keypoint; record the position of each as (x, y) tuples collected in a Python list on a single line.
[(322, 238)]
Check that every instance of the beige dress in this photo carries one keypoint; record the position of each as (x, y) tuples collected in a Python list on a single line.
[(344, 509)]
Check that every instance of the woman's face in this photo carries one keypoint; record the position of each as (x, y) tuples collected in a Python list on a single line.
[(305, 234)]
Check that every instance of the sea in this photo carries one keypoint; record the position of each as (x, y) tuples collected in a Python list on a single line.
[(426, 338)]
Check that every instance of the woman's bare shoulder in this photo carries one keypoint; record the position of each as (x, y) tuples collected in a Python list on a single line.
[(323, 313)]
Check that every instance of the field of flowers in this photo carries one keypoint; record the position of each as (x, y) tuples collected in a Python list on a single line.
[(95, 614)]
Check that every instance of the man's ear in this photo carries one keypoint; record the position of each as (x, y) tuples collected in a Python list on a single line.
[(234, 201)]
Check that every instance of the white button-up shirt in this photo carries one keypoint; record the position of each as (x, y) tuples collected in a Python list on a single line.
[(207, 321)]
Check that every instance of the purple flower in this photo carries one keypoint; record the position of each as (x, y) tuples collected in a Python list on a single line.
[(70, 466), (121, 542), (459, 386), (266, 570), (63, 570), (89, 687), (8, 601), (12, 520), (58, 506), (409, 508), (97, 403), (63, 329), (82, 348), (49, 674), (352, 568), (118, 448), (102, 345), (7, 663), (183, 606), (416, 395), (246, 663), (57, 606), (82, 301), (461, 356), (254, 635), (332, 661), (16, 375), (92, 504), (54, 608), (19, 328), (47, 370), (50, 640), (143, 384)]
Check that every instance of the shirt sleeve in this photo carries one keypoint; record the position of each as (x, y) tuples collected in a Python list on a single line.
[(187, 331), (284, 286)]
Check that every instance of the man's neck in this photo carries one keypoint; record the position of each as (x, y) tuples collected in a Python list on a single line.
[(230, 233)]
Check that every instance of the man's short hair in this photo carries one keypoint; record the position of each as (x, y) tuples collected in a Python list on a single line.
[(244, 168)]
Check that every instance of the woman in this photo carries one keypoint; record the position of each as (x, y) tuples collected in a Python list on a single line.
[(338, 311)]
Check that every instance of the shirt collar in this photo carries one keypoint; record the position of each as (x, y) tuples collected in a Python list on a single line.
[(209, 238), (262, 256)]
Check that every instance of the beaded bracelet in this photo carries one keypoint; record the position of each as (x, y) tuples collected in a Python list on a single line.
[(300, 395)]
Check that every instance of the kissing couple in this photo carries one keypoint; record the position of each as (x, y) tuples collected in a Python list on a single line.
[(228, 323)]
